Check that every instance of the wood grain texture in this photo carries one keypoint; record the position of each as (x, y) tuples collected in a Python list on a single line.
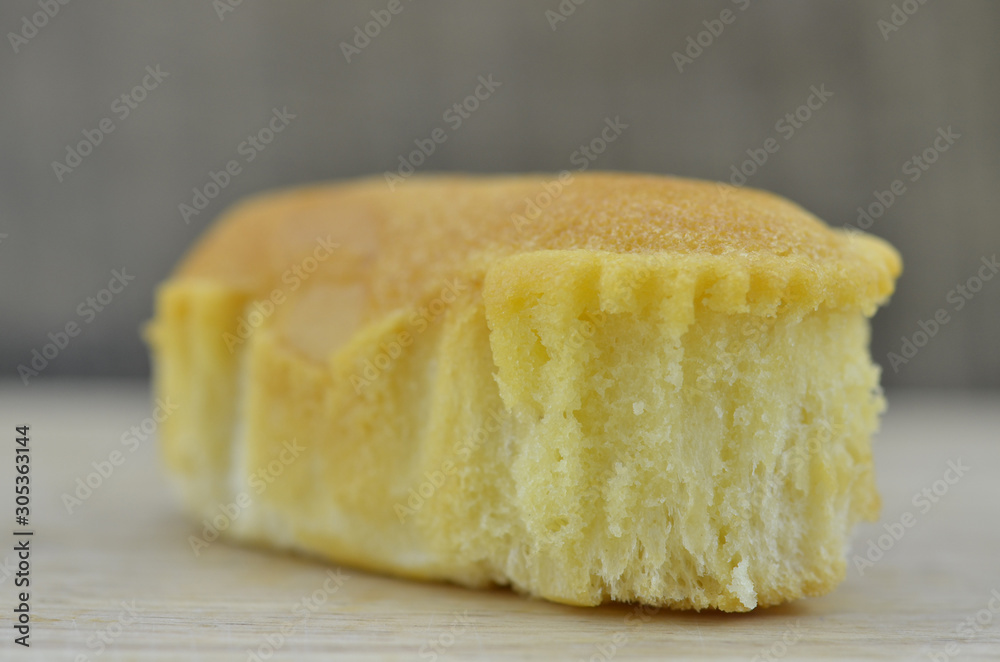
[(129, 542)]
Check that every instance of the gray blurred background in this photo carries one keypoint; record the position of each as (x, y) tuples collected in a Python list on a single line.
[(224, 73)]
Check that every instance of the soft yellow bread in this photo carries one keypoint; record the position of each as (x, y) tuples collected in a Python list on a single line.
[(609, 387)]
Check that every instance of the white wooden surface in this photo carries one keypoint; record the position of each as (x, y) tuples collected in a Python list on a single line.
[(128, 544)]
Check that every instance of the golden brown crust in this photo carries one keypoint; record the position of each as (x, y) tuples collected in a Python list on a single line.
[(458, 226)]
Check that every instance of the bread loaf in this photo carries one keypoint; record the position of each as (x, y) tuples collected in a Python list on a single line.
[(624, 387)]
